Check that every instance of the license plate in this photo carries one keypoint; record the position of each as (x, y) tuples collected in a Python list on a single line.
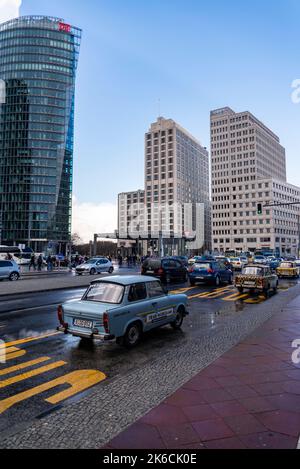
[(200, 278), (249, 284), (83, 323), (150, 271)]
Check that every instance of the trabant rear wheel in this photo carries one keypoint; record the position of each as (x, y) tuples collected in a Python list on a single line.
[(275, 288), (178, 320), (110, 270), (266, 292), (240, 289), (133, 335), (92, 271)]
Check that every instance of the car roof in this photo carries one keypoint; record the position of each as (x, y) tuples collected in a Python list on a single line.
[(126, 279)]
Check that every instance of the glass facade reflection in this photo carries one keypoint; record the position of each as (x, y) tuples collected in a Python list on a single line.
[(38, 62)]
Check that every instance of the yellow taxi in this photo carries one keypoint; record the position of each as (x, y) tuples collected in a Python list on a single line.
[(288, 269)]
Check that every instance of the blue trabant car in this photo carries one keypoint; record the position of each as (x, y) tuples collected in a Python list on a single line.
[(121, 308)]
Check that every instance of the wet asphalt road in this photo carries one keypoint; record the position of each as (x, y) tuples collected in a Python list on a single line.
[(33, 314)]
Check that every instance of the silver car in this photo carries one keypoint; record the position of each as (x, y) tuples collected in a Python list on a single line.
[(94, 266), (9, 270)]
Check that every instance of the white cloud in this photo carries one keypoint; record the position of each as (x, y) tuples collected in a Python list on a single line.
[(89, 218), (9, 9)]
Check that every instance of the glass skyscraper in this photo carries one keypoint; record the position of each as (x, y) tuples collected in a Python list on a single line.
[(38, 62)]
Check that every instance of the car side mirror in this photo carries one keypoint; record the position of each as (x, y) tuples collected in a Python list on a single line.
[(166, 291)]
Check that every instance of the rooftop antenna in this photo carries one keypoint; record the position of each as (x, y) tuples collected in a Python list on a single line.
[(159, 107)]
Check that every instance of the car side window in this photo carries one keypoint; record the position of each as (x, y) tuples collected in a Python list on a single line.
[(155, 289), (137, 292), (5, 264)]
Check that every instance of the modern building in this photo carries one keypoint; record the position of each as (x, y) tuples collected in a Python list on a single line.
[(248, 167), (132, 230), (38, 62), (176, 183)]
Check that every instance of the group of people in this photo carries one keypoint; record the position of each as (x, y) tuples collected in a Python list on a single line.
[(37, 262), (131, 261)]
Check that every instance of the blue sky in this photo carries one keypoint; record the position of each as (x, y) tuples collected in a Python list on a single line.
[(193, 55)]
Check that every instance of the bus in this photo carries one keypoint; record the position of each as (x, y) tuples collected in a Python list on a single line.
[(20, 256)]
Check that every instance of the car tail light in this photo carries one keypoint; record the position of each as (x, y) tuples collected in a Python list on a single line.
[(191, 269), (210, 271), (60, 315), (160, 271), (106, 323)]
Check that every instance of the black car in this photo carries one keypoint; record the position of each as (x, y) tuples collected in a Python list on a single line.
[(166, 269), (183, 259)]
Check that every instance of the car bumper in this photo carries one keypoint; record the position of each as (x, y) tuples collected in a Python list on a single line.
[(86, 335)]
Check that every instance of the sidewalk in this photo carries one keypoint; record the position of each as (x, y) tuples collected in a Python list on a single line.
[(48, 281), (248, 398)]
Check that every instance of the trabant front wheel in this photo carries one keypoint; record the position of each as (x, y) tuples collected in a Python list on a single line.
[(178, 320), (133, 335)]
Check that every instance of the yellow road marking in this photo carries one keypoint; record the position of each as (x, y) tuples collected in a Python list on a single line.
[(78, 380), (10, 353), (257, 300), (182, 290), (28, 339), (28, 364), (213, 294), (235, 296), (30, 374)]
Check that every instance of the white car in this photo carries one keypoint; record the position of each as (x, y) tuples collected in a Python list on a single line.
[(238, 263), (9, 270), (94, 266)]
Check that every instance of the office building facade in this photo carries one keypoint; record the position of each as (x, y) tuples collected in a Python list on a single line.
[(38, 62), (248, 167), (177, 187)]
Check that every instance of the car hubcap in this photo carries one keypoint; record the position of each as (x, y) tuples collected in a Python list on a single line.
[(14, 277), (133, 335)]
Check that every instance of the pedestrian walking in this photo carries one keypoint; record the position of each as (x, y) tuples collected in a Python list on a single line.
[(49, 263), (40, 262), (32, 262)]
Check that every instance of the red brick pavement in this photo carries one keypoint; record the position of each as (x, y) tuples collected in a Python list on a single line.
[(248, 398)]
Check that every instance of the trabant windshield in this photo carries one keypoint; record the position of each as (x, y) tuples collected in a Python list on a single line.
[(105, 292), (286, 265), (253, 271)]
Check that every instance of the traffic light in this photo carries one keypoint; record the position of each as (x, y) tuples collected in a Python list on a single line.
[(259, 209)]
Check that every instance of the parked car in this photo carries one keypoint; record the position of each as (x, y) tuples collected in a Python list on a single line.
[(194, 259), (225, 261), (259, 259), (166, 269), (206, 258), (183, 259), (257, 277), (9, 270), (288, 269), (121, 308), (238, 263), (210, 271), (96, 265), (273, 262)]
